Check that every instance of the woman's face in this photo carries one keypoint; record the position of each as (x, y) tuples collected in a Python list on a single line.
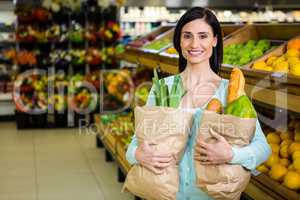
[(197, 41)]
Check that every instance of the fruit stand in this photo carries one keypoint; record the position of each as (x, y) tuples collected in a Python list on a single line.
[(270, 63)]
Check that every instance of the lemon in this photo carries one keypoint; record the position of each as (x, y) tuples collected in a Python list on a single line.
[(275, 148), (278, 60), (281, 67), (277, 172), (270, 60), (259, 65), (268, 68), (262, 169), (296, 154), (293, 60), (273, 137), (272, 160), (284, 161), (295, 146), (295, 69), (292, 53), (292, 180), (284, 151)]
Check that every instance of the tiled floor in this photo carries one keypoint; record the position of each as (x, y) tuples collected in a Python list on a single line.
[(54, 164)]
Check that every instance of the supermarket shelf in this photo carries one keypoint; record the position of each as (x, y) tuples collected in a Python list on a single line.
[(260, 187), (274, 89), (115, 147), (273, 189), (5, 97), (7, 107)]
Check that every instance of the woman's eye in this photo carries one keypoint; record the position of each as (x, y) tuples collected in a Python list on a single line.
[(202, 36), (187, 36)]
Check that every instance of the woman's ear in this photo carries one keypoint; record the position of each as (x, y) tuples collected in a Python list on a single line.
[(215, 41)]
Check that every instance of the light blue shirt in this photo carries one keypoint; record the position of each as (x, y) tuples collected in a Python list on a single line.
[(249, 156)]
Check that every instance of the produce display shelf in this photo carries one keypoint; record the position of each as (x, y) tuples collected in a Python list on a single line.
[(260, 187), (272, 88), (273, 188)]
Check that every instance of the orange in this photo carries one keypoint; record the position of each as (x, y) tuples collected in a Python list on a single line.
[(294, 44), (272, 160), (292, 180), (275, 148), (277, 172), (273, 137), (284, 151), (285, 162), (295, 146)]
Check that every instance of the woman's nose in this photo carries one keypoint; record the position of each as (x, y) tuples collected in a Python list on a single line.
[(195, 42)]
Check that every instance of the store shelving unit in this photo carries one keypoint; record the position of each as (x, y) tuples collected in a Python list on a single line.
[(73, 45), (7, 42)]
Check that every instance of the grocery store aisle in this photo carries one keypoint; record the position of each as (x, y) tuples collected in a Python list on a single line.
[(54, 164)]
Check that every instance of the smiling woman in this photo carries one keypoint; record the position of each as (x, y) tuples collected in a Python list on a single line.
[(198, 41), (199, 31)]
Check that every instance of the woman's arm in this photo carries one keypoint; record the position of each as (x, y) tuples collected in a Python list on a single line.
[(130, 153), (255, 153)]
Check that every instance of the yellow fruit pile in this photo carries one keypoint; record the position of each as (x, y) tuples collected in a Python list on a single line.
[(171, 50), (288, 62), (283, 164)]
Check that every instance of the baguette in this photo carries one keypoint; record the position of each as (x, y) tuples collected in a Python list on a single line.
[(236, 85)]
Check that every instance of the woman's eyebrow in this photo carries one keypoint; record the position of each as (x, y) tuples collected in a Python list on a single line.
[(188, 32), (203, 32)]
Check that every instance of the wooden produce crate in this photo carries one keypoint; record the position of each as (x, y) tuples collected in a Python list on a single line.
[(148, 37), (121, 156), (274, 189), (107, 138), (249, 32), (229, 29), (287, 81), (161, 42)]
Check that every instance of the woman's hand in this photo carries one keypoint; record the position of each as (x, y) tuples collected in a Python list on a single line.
[(213, 154), (153, 160)]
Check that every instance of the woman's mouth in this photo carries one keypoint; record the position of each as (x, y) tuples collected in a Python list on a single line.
[(195, 52)]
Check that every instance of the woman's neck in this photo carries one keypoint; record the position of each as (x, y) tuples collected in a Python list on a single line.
[(199, 73)]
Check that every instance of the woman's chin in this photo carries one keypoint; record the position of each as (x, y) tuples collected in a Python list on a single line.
[(194, 60)]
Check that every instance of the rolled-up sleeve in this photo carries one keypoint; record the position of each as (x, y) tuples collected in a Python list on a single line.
[(130, 153), (255, 153)]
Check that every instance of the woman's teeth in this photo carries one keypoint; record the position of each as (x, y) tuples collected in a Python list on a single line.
[(195, 52)]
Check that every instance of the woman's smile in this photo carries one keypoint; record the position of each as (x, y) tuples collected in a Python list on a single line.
[(195, 52)]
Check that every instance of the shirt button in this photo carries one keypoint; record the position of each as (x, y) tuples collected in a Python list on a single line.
[(187, 184)]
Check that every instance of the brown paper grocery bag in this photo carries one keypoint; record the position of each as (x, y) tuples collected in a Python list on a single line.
[(227, 181), (167, 130)]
